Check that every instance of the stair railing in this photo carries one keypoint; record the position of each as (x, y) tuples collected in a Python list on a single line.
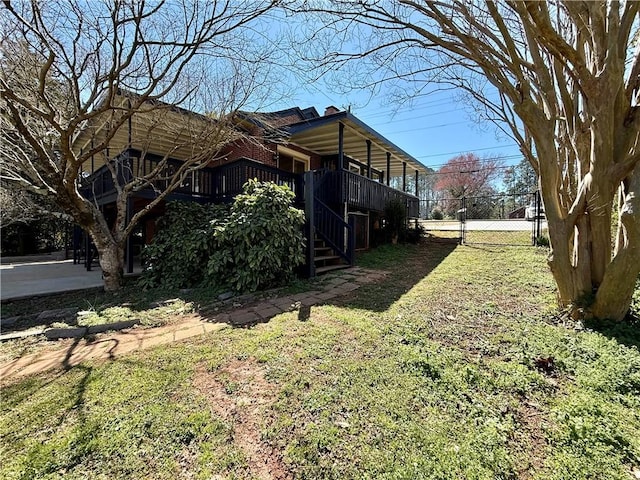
[(325, 223), (336, 233)]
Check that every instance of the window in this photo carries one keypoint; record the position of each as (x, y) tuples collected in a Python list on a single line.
[(292, 161)]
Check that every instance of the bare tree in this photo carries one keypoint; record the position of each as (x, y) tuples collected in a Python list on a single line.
[(561, 78), (89, 73)]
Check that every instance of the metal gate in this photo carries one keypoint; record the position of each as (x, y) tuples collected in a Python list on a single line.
[(442, 219), (500, 219)]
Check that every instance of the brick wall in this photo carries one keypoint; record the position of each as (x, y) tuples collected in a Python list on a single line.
[(245, 148), (288, 120)]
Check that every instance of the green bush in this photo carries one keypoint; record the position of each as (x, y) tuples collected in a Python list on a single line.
[(436, 214), (261, 242), (412, 234), (635, 301), (542, 241), (396, 227), (395, 215), (178, 256), (256, 242)]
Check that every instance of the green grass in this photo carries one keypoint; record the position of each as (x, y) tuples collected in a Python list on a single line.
[(429, 373), (97, 300)]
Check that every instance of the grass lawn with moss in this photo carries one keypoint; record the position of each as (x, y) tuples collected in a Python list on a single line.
[(455, 365)]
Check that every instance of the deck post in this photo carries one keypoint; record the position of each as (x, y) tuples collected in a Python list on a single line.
[(368, 158), (340, 146), (388, 167), (351, 240), (417, 177), (128, 252), (404, 176), (88, 254), (310, 229)]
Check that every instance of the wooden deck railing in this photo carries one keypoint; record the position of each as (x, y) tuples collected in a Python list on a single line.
[(335, 187), (220, 184), (229, 179)]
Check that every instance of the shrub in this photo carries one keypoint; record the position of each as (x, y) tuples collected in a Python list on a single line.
[(635, 301), (396, 227), (436, 214), (542, 241), (178, 256), (412, 235), (395, 214), (261, 242), (257, 242)]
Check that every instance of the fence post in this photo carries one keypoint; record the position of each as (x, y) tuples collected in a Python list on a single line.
[(463, 219)]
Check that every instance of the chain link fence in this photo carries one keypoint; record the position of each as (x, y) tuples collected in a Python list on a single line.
[(500, 219)]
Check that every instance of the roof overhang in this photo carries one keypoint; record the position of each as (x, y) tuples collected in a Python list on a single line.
[(320, 135), (155, 127)]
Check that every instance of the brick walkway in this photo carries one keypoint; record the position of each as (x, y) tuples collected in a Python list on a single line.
[(110, 346)]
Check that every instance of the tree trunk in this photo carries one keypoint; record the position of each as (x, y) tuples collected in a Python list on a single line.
[(580, 259), (112, 264), (616, 290)]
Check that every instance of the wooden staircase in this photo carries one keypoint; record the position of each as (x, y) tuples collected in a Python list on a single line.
[(325, 258), (333, 239)]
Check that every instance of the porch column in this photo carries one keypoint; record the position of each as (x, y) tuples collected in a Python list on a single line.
[(388, 167), (404, 176), (417, 174), (369, 158), (340, 146)]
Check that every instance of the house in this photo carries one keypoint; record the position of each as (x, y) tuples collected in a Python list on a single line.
[(338, 167)]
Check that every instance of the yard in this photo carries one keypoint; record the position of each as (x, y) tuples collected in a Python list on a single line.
[(455, 365)]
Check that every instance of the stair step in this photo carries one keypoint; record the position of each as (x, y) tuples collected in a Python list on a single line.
[(322, 258), (330, 268), (321, 249)]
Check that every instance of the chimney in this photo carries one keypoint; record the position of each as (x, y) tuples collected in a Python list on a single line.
[(330, 110)]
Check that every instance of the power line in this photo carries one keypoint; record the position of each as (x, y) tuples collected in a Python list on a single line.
[(468, 150), (436, 103), (426, 128), (506, 157), (477, 170)]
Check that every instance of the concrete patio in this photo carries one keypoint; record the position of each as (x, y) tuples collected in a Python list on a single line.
[(26, 279)]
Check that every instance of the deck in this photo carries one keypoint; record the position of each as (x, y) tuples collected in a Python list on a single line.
[(222, 184)]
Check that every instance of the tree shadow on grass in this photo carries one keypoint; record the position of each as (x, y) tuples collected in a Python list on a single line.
[(403, 275), (626, 332)]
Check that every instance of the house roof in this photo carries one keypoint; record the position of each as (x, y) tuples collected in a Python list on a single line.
[(302, 127), (320, 135)]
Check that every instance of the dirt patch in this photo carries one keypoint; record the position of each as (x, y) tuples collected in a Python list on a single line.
[(240, 393), (530, 419)]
